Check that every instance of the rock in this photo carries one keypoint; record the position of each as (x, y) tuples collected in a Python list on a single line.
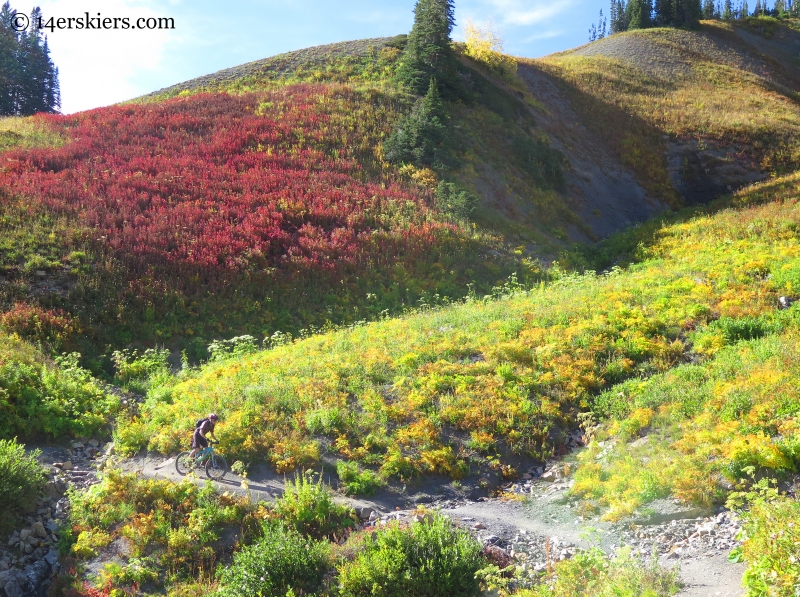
[(426, 518), (478, 526), (423, 499), (527, 476), (92, 452), (548, 476), (37, 574), (38, 530), (640, 442), (94, 443), (77, 445), (27, 548), (52, 557), (52, 526), (785, 302), (67, 466), (40, 273), (24, 534), (364, 513)]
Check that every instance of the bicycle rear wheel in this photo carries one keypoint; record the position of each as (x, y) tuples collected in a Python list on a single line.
[(184, 463), (216, 467)]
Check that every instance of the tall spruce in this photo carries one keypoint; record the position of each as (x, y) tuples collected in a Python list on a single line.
[(428, 53), (638, 14), (28, 77), (619, 22), (709, 11), (419, 136), (727, 11)]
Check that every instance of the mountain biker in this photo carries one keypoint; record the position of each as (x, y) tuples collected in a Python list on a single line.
[(203, 427)]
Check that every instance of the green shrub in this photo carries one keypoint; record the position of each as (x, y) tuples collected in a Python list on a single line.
[(235, 347), (308, 508), (771, 538), (21, 479), (592, 574), (744, 328), (138, 372), (280, 562), (38, 396), (455, 202), (427, 559), (357, 482)]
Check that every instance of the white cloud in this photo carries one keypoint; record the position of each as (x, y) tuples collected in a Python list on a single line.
[(517, 12), (98, 67)]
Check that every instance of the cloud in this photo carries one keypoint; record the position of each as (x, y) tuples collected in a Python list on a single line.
[(516, 12), (98, 67)]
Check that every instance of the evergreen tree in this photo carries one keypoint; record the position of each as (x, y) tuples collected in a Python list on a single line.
[(638, 14), (708, 9), (419, 136), (664, 13), (619, 22), (727, 11), (757, 11), (428, 53), (28, 77)]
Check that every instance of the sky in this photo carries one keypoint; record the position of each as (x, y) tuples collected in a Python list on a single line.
[(102, 67)]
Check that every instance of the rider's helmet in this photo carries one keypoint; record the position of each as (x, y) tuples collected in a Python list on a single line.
[(213, 417)]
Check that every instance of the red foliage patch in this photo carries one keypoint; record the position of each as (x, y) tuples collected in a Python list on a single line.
[(207, 183)]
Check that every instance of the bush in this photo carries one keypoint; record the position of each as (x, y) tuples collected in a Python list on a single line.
[(308, 508), (454, 202), (357, 482), (591, 574), (41, 397), (21, 479), (280, 562), (427, 559), (138, 372)]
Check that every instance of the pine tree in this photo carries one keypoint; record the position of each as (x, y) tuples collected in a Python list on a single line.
[(28, 77), (727, 11), (619, 21), (757, 11), (638, 14), (708, 9), (428, 53), (664, 13), (419, 136)]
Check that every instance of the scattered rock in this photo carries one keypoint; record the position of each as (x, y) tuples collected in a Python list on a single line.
[(67, 466)]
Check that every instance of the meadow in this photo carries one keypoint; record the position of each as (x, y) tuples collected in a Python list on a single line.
[(483, 381)]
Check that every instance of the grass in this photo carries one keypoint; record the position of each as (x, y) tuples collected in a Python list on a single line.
[(42, 398), (27, 132), (21, 480), (442, 390), (717, 92)]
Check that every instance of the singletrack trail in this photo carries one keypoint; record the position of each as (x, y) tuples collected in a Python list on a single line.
[(698, 542)]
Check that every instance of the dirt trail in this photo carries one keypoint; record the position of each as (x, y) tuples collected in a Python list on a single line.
[(543, 516)]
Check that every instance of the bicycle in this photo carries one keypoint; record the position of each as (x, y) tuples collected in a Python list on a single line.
[(216, 465)]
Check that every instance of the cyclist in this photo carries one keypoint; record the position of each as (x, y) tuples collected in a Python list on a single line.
[(203, 427)]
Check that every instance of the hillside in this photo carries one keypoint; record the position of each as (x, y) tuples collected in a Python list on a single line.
[(124, 222), (614, 326)]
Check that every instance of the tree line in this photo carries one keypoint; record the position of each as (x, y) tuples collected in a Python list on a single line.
[(28, 77), (625, 15)]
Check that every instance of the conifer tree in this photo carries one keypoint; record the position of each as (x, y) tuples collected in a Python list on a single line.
[(419, 136), (618, 21), (428, 53), (757, 11), (745, 10), (727, 11), (708, 9), (28, 77), (638, 14)]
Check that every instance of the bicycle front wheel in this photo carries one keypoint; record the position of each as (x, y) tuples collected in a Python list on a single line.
[(216, 467), (184, 463)]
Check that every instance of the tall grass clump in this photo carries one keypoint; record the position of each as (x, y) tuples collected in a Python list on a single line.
[(592, 574), (21, 480), (281, 562), (308, 508), (427, 559)]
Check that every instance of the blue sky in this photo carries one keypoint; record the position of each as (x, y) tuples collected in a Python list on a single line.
[(98, 68)]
